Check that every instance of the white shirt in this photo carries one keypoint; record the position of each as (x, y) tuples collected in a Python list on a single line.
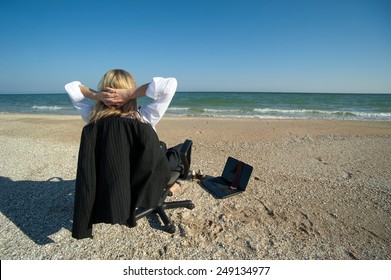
[(161, 90)]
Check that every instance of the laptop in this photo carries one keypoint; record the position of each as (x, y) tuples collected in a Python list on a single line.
[(233, 181)]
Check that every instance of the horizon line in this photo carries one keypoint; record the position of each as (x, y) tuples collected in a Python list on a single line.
[(221, 91)]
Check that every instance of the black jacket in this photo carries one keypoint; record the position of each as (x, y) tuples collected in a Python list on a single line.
[(120, 167)]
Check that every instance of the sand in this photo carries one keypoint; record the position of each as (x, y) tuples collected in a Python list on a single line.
[(320, 189)]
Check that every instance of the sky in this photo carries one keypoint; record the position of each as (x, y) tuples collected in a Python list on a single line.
[(245, 45)]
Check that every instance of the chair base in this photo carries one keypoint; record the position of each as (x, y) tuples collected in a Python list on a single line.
[(160, 210)]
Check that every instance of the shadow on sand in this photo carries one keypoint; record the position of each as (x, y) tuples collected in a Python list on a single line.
[(38, 208)]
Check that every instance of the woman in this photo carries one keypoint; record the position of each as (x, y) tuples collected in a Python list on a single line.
[(119, 149), (118, 95), (117, 87)]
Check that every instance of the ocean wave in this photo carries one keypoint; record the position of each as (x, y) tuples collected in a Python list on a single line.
[(270, 113), (178, 108), (48, 108), (304, 112)]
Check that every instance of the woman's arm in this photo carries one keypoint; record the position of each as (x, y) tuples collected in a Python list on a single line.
[(161, 90), (82, 103), (90, 93)]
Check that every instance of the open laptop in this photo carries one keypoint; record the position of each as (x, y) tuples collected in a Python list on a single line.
[(233, 181)]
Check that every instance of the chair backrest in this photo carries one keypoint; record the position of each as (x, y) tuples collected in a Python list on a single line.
[(120, 167)]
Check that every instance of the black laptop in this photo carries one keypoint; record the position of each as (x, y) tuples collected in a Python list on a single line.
[(233, 181)]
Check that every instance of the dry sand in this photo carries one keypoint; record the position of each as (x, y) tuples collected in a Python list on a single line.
[(320, 189)]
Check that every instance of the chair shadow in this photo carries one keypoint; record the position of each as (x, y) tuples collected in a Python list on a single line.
[(155, 222), (38, 208)]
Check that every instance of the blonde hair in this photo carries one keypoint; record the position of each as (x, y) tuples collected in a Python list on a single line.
[(117, 79)]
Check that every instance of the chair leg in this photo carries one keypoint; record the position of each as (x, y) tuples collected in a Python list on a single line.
[(168, 226), (178, 204)]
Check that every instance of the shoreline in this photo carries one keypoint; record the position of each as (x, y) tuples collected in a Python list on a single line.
[(173, 116), (320, 189)]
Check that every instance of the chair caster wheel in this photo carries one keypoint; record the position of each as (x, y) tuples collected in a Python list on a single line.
[(170, 228), (191, 206)]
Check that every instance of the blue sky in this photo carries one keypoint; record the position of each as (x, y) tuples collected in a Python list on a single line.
[(264, 45)]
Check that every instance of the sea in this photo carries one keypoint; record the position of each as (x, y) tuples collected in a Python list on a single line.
[(254, 105)]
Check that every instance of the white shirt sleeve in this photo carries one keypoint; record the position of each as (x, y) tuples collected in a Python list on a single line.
[(83, 105), (161, 90)]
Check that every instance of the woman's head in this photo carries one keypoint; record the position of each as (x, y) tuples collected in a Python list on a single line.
[(117, 79)]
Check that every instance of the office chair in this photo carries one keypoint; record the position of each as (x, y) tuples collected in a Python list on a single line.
[(185, 155), (122, 174)]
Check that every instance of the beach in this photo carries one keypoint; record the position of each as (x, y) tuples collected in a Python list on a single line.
[(320, 189)]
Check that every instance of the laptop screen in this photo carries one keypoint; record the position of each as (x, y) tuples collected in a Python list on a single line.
[(237, 173)]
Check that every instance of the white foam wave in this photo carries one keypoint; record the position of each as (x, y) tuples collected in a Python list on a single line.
[(178, 109), (324, 112), (269, 113), (47, 108)]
